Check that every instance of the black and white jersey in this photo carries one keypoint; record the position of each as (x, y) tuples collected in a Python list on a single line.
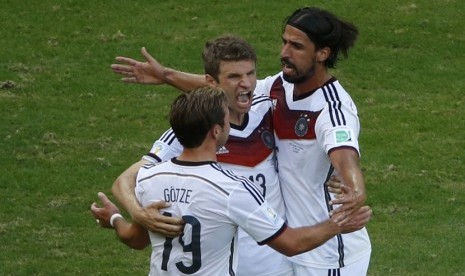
[(213, 202), (250, 152), (306, 129)]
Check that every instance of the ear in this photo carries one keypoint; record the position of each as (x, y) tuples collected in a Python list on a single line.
[(216, 131), (323, 54), (210, 80)]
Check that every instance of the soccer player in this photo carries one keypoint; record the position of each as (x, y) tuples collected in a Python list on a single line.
[(229, 63), (212, 201), (317, 135)]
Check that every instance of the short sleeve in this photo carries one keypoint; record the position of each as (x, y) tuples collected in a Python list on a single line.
[(254, 216), (166, 147), (338, 129)]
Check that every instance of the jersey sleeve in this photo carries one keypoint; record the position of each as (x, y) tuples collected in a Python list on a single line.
[(338, 127), (165, 148), (253, 213)]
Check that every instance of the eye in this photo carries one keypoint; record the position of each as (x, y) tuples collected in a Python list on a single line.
[(251, 73)]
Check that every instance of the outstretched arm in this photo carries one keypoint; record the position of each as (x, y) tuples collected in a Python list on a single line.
[(152, 72), (293, 241), (150, 217), (131, 234)]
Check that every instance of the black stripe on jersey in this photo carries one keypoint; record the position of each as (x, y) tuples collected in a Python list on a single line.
[(168, 137), (334, 272), (150, 165), (340, 246), (249, 186), (154, 156), (279, 232), (334, 104), (188, 176), (231, 259), (260, 98)]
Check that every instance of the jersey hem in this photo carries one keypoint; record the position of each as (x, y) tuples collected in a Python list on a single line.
[(347, 261)]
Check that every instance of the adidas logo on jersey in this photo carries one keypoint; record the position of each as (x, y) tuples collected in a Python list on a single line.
[(222, 150)]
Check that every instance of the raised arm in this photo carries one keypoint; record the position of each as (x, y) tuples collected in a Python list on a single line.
[(150, 217), (152, 72)]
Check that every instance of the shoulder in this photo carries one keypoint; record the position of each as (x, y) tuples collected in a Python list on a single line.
[(264, 85)]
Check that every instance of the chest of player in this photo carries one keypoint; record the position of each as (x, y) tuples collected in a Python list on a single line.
[(293, 119), (252, 143)]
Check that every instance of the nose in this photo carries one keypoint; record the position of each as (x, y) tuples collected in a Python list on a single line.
[(284, 51), (246, 82)]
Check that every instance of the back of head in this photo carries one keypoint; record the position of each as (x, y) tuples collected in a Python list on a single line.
[(225, 48), (194, 113), (325, 30)]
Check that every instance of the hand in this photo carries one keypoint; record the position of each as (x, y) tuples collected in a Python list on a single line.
[(148, 72), (104, 214), (355, 222), (151, 218), (334, 185), (350, 200)]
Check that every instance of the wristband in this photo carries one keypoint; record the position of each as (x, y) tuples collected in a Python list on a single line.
[(113, 217)]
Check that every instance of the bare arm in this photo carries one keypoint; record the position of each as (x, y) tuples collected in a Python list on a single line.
[(346, 162), (294, 241), (123, 188), (152, 72), (150, 217), (131, 234)]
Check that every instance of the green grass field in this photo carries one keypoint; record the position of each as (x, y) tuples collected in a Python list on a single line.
[(68, 127)]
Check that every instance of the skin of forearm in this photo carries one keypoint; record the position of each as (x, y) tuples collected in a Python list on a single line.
[(131, 234), (183, 81), (123, 188), (346, 163), (294, 241)]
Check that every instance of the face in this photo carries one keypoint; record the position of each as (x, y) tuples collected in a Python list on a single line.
[(298, 56), (224, 132), (238, 79)]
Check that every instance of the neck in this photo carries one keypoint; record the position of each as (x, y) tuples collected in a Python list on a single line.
[(316, 81), (236, 118), (199, 154)]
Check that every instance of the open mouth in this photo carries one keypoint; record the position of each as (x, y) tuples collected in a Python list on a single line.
[(244, 97), (286, 66)]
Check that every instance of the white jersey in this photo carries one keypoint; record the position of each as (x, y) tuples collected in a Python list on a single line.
[(306, 129), (213, 202), (249, 151)]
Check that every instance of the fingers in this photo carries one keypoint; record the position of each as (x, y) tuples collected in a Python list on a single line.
[(148, 57), (121, 69), (334, 190), (93, 207), (364, 212), (345, 189), (126, 60), (356, 221), (129, 80), (169, 229), (157, 205), (102, 197), (342, 200), (106, 202), (171, 234)]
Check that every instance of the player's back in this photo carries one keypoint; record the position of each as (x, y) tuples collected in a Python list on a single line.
[(199, 194)]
